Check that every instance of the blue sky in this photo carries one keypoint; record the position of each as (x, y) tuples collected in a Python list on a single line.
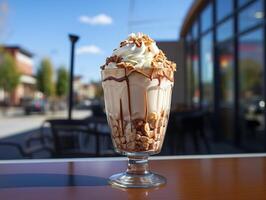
[(42, 26)]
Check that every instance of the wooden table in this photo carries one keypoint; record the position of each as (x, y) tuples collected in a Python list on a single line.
[(216, 177)]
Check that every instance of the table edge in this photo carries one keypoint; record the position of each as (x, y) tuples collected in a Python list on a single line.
[(176, 157)]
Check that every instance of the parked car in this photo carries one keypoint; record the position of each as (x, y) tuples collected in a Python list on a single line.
[(84, 105), (36, 106)]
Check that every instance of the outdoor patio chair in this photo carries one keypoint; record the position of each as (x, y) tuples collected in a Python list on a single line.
[(17, 146), (189, 124), (100, 126), (71, 136), (25, 152)]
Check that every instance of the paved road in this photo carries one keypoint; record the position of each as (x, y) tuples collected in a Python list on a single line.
[(18, 124)]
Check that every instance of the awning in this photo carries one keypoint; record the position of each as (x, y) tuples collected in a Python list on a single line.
[(27, 79)]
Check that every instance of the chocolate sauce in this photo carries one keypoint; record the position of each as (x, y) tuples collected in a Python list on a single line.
[(125, 78), (146, 106), (110, 78), (121, 117), (128, 94)]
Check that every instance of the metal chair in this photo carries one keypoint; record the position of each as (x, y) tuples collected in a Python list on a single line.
[(17, 146), (189, 123), (70, 138)]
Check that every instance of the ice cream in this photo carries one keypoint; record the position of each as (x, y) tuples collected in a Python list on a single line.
[(137, 81)]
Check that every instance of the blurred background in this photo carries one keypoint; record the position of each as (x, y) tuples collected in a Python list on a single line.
[(218, 104)]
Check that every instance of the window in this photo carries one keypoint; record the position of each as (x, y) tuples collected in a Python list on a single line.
[(251, 16), (189, 71), (225, 60), (251, 87), (225, 54), (207, 70), (206, 18), (239, 104), (195, 32), (192, 71), (242, 2), (225, 31), (195, 75), (223, 9)]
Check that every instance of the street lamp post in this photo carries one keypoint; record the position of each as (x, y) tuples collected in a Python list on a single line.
[(73, 39)]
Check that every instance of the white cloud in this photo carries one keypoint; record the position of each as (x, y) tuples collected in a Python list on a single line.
[(101, 19), (89, 49)]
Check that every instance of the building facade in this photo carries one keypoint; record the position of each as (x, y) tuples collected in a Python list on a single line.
[(83, 91), (174, 52), (27, 85), (225, 68)]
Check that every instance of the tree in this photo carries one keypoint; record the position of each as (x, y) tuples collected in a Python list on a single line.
[(45, 78), (62, 82), (251, 76), (9, 75), (99, 90)]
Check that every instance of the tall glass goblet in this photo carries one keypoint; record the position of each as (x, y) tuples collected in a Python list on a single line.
[(137, 103)]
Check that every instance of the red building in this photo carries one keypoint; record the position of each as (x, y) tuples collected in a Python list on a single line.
[(24, 64)]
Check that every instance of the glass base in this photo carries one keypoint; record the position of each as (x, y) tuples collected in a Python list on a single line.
[(137, 175), (126, 180)]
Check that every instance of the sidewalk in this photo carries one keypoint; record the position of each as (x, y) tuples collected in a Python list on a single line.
[(17, 123), (11, 112)]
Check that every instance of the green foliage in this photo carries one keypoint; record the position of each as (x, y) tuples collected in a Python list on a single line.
[(62, 82), (45, 78), (9, 74), (251, 75)]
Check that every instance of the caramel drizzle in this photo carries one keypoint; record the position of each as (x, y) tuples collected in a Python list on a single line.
[(121, 117), (151, 76), (135, 71), (159, 80)]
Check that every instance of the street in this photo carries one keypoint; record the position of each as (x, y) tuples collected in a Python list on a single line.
[(13, 125)]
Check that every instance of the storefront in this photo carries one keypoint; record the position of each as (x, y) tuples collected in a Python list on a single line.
[(225, 68)]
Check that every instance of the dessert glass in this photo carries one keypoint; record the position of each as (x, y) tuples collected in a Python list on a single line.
[(137, 104)]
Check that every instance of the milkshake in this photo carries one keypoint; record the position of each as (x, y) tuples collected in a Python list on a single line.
[(137, 80)]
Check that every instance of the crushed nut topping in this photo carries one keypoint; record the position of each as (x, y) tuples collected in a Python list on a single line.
[(114, 59), (159, 60), (140, 135)]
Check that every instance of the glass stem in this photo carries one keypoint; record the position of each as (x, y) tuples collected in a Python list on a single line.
[(138, 165)]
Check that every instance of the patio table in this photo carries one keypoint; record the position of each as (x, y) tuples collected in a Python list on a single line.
[(189, 177)]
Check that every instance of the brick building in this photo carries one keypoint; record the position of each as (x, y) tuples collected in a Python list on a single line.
[(24, 64), (82, 90)]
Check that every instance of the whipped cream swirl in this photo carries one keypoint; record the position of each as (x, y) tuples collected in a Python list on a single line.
[(140, 56)]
